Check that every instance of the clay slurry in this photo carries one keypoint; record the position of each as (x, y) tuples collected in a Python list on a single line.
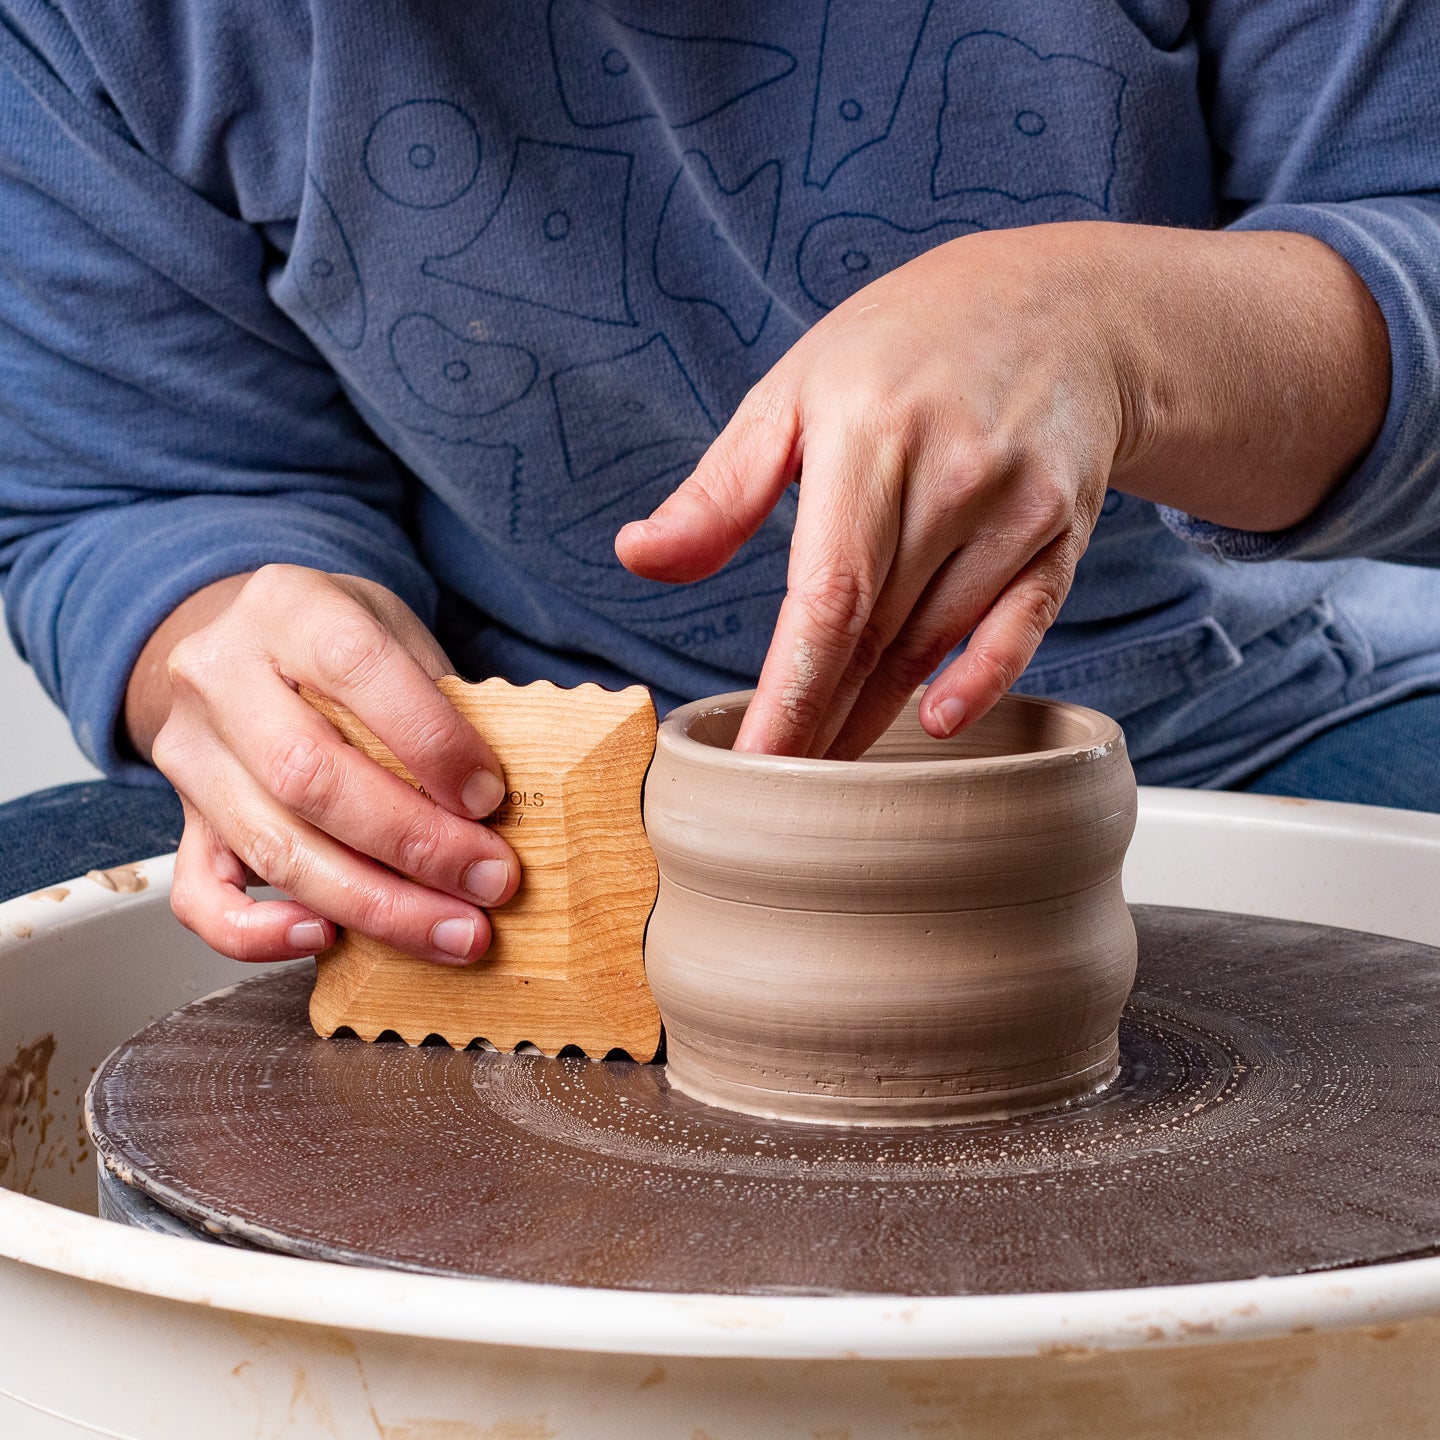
[(1277, 1111)]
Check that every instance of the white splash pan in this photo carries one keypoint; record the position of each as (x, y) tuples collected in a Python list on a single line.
[(112, 1332)]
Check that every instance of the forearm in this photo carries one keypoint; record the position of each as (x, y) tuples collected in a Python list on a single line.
[(147, 696), (1254, 368)]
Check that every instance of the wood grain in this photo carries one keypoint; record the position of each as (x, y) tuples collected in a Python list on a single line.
[(565, 965)]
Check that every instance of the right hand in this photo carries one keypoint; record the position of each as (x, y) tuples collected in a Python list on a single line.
[(271, 790)]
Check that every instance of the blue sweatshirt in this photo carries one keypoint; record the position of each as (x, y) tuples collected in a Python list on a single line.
[(442, 295)]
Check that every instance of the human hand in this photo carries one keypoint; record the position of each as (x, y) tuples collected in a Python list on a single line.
[(270, 789), (955, 423), (952, 425)]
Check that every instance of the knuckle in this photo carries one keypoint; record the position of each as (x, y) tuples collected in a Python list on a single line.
[(241, 942), (803, 711), (420, 848), (715, 494), (718, 489), (977, 458), (352, 652), (997, 671), (225, 934), (199, 922), (273, 853), (299, 772), (869, 651), (886, 410), (1046, 510), (1088, 503), (219, 931), (897, 679), (767, 402), (1054, 498), (838, 602), (925, 658), (438, 737), (273, 583), (907, 667), (167, 750), (190, 663), (1044, 606), (185, 900), (378, 912), (967, 479)]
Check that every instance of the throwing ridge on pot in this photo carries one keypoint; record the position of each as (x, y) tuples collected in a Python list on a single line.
[(933, 932)]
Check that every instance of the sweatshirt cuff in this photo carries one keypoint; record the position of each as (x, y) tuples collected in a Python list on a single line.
[(127, 570)]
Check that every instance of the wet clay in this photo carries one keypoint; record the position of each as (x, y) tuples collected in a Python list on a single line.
[(122, 879), (1277, 1111), (936, 930), (25, 1115)]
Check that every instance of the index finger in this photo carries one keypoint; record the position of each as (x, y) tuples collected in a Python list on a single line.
[(342, 652), (847, 528)]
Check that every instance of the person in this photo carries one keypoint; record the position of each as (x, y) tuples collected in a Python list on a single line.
[(1091, 349)]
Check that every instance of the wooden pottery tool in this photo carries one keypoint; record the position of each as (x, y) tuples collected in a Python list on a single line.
[(566, 964)]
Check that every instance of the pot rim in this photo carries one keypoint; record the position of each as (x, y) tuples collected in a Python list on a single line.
[(674, 734)]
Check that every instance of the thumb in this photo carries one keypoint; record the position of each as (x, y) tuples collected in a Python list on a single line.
[(721, 505)]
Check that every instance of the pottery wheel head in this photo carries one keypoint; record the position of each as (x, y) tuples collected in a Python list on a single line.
[(1277, 1111)]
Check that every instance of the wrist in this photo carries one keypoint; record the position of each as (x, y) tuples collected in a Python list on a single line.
[(1252, 370), (147, 694), (1129, 292)]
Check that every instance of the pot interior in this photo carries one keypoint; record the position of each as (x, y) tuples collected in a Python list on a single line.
[(1018, 725)]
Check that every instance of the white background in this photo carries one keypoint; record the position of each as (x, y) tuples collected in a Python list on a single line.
[(36, 749)]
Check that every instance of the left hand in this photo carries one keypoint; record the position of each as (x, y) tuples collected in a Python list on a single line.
[(953, 426)]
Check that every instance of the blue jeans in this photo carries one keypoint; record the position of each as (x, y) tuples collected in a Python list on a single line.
[(1389, 757), (57, 834)]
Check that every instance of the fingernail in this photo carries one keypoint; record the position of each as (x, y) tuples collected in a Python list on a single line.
[(306, 935), (486, 880), (951, 715), (482, 793), (454, 937)]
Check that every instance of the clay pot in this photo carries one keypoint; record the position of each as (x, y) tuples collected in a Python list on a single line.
[(935, 931)]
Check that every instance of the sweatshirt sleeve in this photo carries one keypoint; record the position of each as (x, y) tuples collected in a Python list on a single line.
[(162, 424), (1325, 122)]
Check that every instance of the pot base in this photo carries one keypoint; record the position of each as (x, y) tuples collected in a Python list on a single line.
[(1081, 1079), (1277, 1111)]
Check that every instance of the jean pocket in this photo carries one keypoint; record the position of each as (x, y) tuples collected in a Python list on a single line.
[(1123, 678)]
